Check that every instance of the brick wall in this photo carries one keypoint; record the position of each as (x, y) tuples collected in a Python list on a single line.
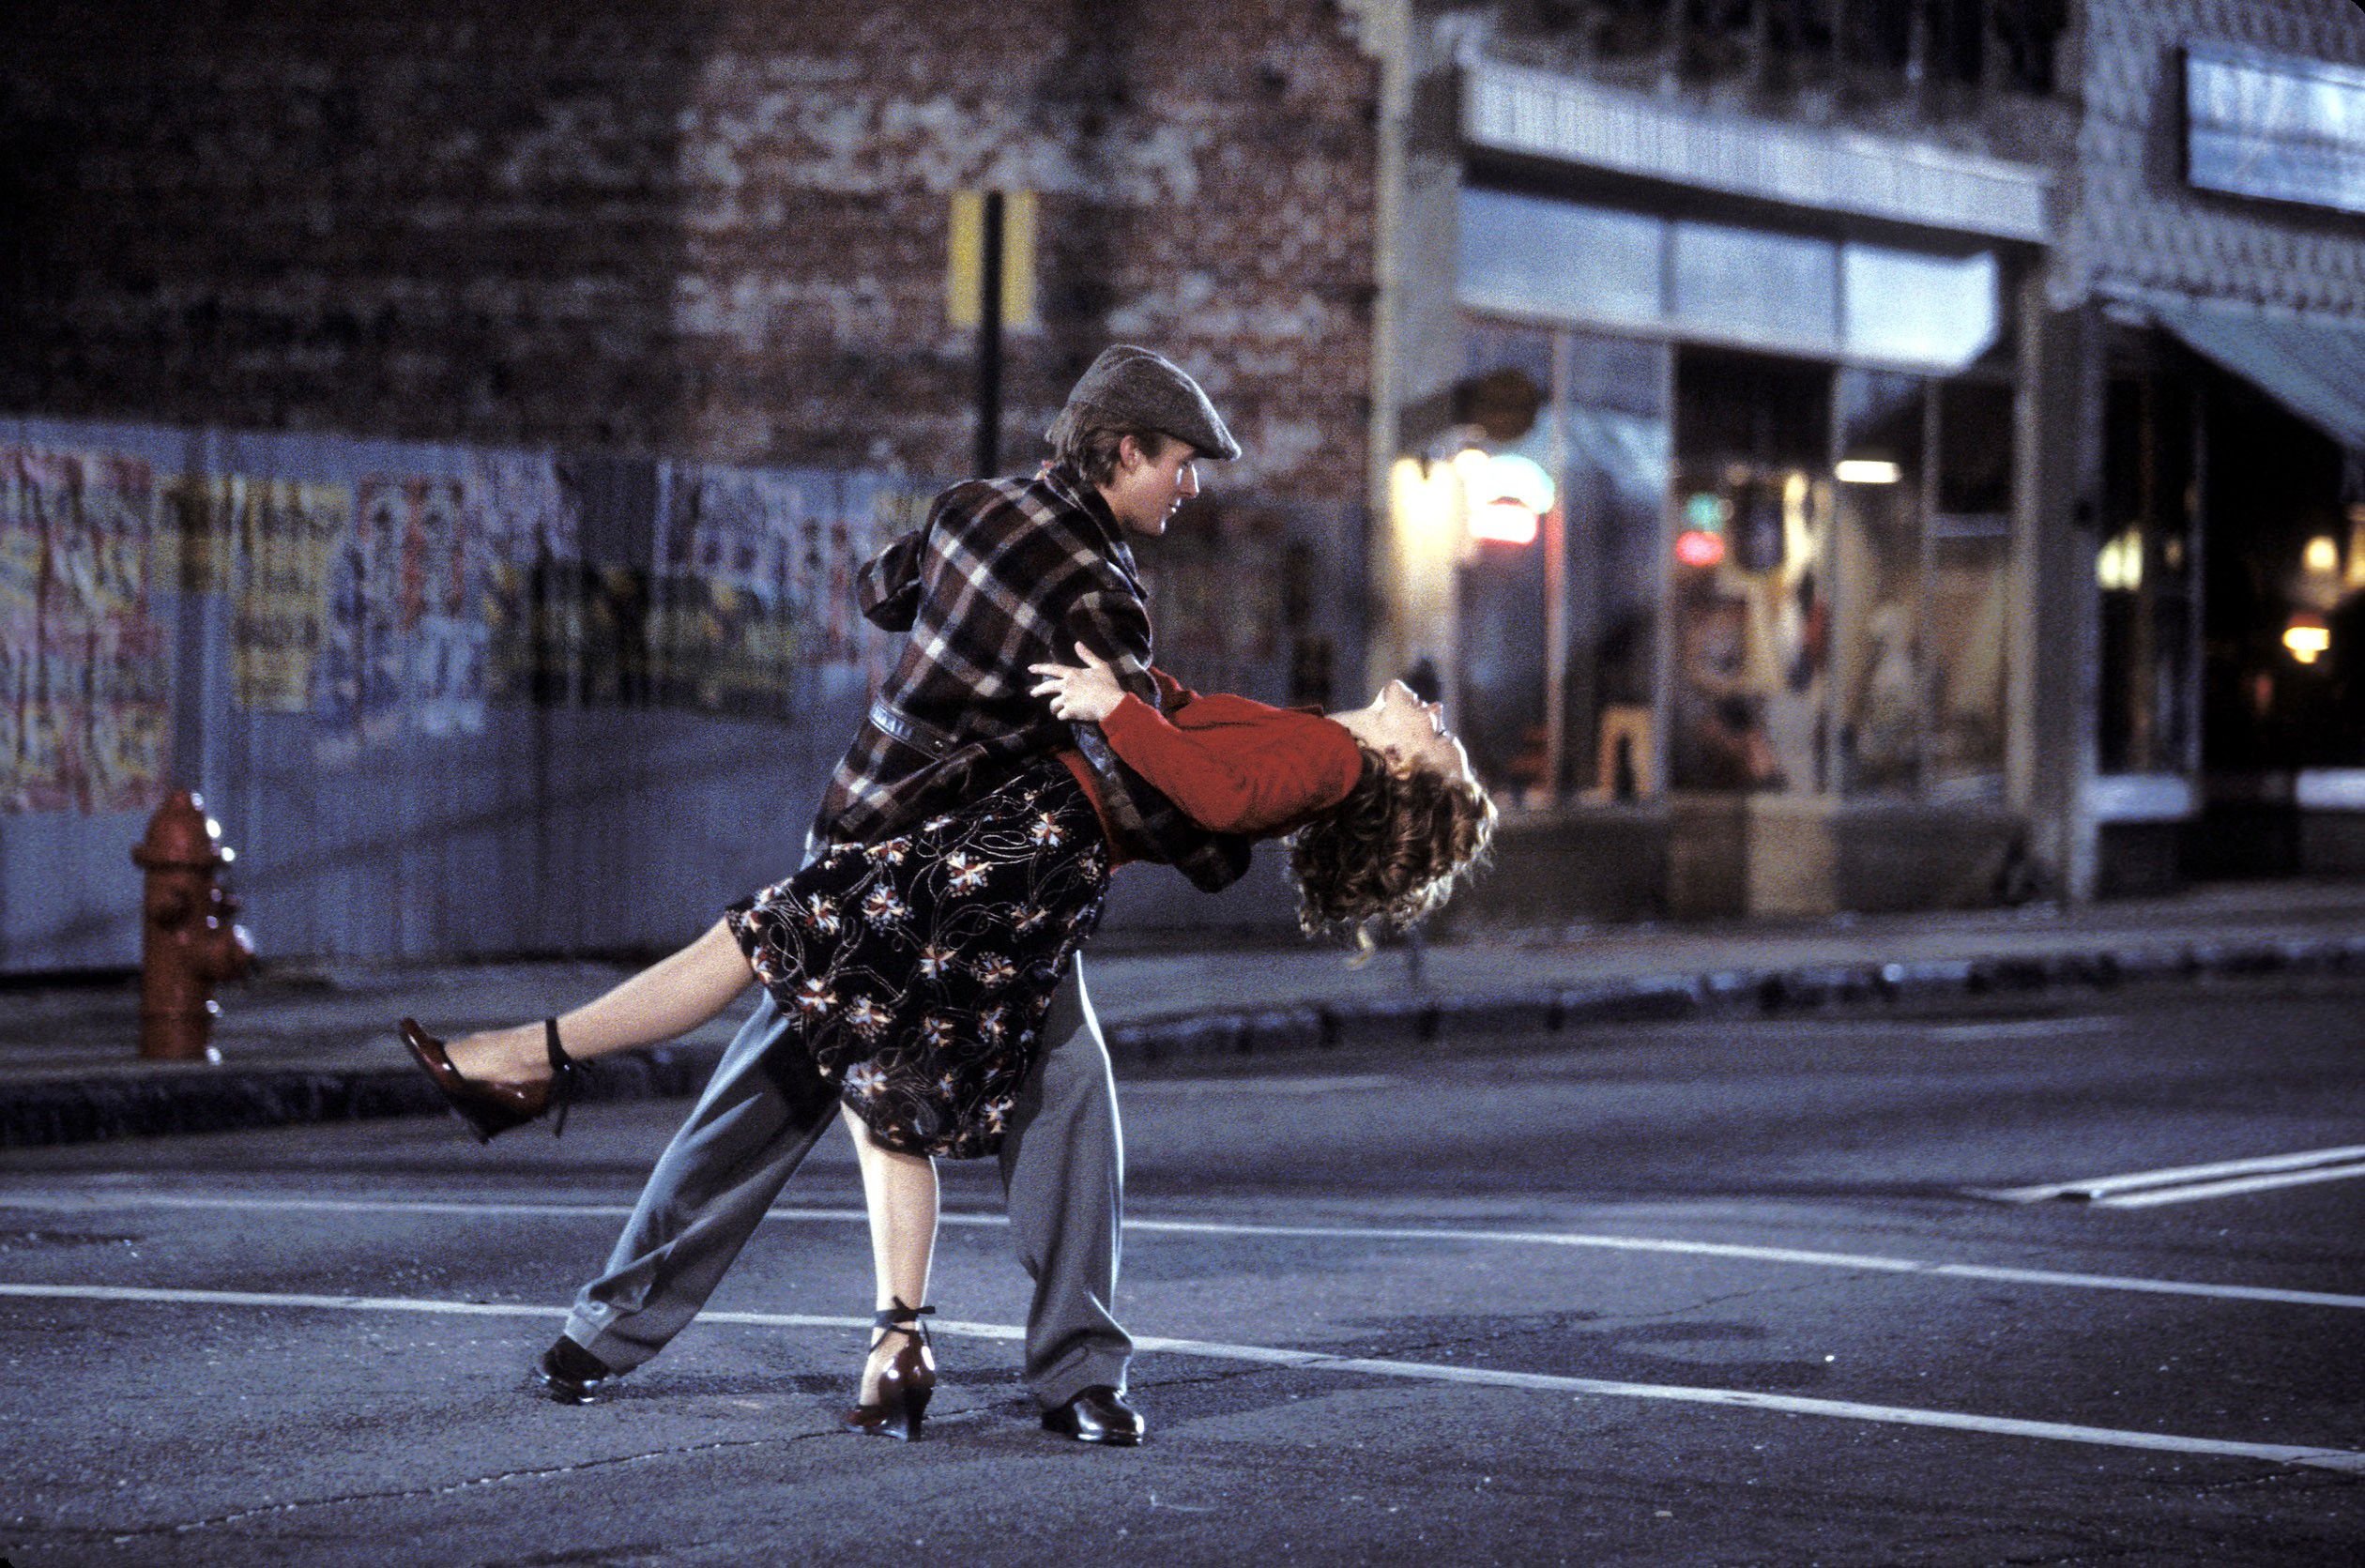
[(710, 229), (2135, 225)]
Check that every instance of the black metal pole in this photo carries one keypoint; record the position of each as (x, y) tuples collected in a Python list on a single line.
[(989, 338)]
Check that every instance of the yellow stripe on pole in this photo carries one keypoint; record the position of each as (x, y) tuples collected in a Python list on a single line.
[(965, 259), (1018, 261)]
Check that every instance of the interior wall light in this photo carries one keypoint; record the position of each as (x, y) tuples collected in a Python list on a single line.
[(2307, 636), (1867, 470)]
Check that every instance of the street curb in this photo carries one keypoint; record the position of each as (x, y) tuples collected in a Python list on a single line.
[(215, 1099)]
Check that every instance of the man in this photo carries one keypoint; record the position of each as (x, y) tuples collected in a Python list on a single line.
[(1005, 573)]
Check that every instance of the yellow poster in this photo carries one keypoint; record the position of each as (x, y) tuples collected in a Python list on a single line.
[(270, 542)]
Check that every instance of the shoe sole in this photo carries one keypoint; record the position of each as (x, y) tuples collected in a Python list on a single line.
[(562, 1391), (1098, 1439)]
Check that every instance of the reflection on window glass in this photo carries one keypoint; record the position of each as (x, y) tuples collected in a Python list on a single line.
[(1968, 589), (2144, 574), (1616, 435), (1503, 656), (1969, 626), (1881, 662), (1751, 626), (1975, 444)]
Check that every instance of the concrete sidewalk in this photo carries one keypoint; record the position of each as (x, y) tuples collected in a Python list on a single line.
[(311, 1042)]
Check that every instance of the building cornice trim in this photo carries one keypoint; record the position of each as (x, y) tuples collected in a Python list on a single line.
[(1522, 111)]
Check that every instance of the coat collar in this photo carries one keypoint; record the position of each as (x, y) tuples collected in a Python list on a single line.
[(1070, 486)]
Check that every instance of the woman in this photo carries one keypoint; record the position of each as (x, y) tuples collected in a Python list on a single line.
[(918, 968)]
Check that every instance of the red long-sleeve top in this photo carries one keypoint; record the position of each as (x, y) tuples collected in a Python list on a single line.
[(1231, 763)]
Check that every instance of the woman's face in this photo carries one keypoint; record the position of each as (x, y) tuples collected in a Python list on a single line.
[(1403, 728)]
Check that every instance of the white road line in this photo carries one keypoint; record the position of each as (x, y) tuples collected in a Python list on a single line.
[(2096, 1186), (1345, 1083), (2022, 1029), (2151, 1198), (1855, 1262), (1316, 1360)]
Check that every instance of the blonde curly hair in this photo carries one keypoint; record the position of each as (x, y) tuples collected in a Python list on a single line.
[(1388, 856)]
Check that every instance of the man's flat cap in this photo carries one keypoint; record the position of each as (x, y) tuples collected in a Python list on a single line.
[(1149, 389)]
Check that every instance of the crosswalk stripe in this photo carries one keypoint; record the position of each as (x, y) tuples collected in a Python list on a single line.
[(2338, 1459), (1737, 1252)]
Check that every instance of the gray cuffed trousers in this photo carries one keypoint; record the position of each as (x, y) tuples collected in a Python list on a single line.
[(1063, 1167)]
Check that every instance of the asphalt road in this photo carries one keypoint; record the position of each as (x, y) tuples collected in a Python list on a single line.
[(1701, 1293)]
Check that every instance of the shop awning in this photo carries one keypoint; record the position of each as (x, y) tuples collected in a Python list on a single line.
[(2314, 365)]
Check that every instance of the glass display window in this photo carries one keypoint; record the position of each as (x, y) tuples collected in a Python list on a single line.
[(1968, 593), (1773, 574), (2144, 568), (1880, 662), (1748, 707)]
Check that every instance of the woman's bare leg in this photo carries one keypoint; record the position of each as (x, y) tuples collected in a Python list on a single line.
[(900, 1191), (671, 996)]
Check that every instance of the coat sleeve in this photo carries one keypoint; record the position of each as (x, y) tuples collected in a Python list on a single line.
[(1231, 788), (888, 586), (1115, 626)]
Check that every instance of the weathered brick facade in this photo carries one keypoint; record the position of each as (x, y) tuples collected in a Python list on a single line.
[(710, 229), (2135, 224)]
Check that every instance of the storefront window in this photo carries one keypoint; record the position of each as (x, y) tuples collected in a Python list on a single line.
[(1781, 575), (1600, 433), (1968, 588), (1880, 664), (2143, 570), (1613, 416), (1503, 657), (2284, 681), (1748, 708)]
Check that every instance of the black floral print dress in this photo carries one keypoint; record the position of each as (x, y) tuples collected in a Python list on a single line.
[(915, 973)]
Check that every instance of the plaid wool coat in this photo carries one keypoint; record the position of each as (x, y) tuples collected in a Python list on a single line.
[(1006, 573)]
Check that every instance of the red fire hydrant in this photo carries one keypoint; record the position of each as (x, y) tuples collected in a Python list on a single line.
[(189, 944)]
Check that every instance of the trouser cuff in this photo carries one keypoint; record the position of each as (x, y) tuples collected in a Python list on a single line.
[(1104, 1371)]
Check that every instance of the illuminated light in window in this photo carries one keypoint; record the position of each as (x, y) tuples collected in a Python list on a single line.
[(1508, 495), (1699, 547), (2119, 564), (1867, 470), (2322, 557), (1503, 523), (1707, 512), (2307, 637)]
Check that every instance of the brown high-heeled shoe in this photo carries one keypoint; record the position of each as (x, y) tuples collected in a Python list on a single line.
[(907, 1381), (491, 1109)]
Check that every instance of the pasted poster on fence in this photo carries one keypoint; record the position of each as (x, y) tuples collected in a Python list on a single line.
[(755, 590), (405, 644), (270, 544), (724, 630), (528, 527), (84, 698)]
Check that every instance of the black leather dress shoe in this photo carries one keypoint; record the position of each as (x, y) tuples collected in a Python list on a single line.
[(570, 1374), (1097, 1415)]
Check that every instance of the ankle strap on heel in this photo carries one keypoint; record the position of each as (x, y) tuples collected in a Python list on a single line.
[(559, 1062), (902, 1319), (562, 1076)]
